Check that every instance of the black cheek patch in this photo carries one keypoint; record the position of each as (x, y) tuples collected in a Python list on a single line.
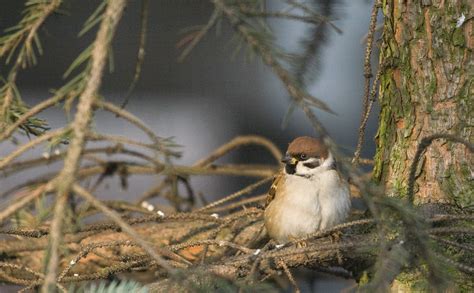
[(312, 165), (290, 169)]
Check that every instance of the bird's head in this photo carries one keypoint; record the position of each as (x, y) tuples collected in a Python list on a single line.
[(307, 156)]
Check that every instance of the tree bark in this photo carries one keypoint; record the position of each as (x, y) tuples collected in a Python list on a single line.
[(427, 88)]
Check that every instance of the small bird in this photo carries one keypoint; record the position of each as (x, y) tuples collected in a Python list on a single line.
[(308, 195)]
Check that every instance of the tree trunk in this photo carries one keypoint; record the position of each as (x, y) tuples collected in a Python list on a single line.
[(427, 88)]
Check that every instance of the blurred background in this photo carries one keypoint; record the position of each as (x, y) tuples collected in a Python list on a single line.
[(215, 94)]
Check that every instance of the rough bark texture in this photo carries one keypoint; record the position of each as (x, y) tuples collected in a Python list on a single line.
[(427, 88)]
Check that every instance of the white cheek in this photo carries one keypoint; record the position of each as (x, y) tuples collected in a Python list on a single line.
[(301, 169)]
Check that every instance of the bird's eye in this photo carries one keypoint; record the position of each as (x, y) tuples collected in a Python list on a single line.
[(303, 156)]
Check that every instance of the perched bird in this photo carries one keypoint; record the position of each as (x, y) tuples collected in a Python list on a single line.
[(308, 195)]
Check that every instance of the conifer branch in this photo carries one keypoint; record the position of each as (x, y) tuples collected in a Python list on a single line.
[(24, 36), (268, 57), (80, 125)]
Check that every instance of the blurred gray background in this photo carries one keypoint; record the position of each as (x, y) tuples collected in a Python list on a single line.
[(210, 97)]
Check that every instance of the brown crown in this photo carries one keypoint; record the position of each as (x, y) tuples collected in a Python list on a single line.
[(312, 147)]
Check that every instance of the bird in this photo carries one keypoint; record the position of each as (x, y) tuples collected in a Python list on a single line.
[(308, 194)]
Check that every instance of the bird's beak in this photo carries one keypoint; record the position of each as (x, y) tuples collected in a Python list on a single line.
[(287, 159)]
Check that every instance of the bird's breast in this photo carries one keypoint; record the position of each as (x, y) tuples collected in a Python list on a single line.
[(295, 211), (334, 197), (303, 206)]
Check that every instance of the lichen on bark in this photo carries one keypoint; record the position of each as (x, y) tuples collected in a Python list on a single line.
[(426, 89)]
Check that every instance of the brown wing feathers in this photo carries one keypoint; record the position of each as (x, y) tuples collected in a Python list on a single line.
[(273, 188)]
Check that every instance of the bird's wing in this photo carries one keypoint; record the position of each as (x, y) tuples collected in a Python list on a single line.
[(272, 192)]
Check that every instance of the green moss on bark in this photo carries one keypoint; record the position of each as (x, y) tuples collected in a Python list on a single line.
[(426, 88)]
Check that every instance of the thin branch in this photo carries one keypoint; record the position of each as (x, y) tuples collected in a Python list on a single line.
[(133, 168), (289, 275), (218, 153), (92, 136), (460, 266), (108, 150), (20, 203), (141, 51), (309, 11), (367, 106), (238, 142), (278, 14), (153, 191), (33, 111), (365, 117), (80, 125), (326, 232), (235, 194), (451, 230), (293, 89), (32, 143), (27, 282), (133, 120), (453, 243), (219, 243), (90, 248), (130, 231), (198, 37), (108, 271), (239, 204)]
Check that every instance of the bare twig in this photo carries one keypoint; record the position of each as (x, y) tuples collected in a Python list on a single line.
[(313, 14), (365, 117), (220, 243), (289, 275), (14, 207), (133, 120), (278, 14), (130, 231), (28, 282), (239, 204), (367, 106), (238, 142), (32, 143), (324, 233), (198, 37), (119, 139), (235, 195), (218, 153), (141, 51)]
